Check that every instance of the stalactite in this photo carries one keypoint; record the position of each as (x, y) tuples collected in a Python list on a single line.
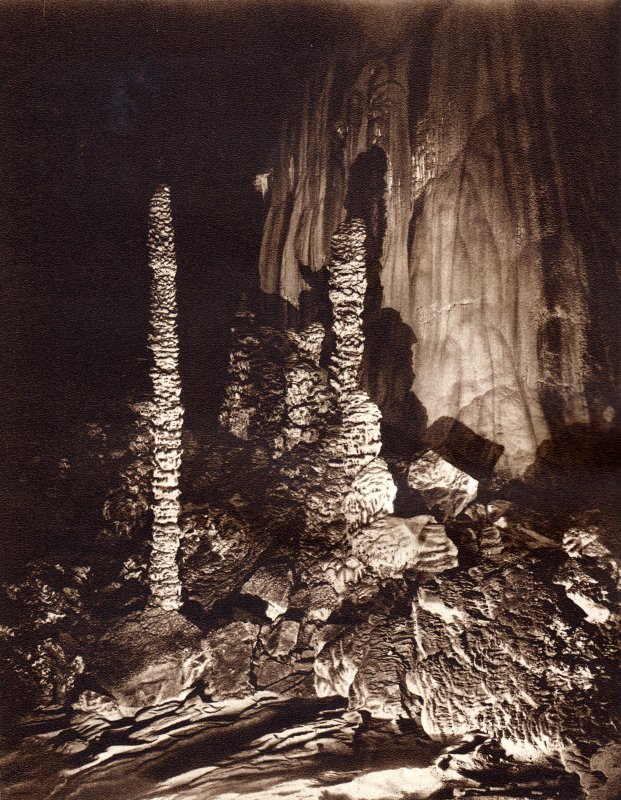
[(167, 409)]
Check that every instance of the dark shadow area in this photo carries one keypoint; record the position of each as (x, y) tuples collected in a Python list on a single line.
[(464, 448), (580, 469), (576, 159), (93, 98)]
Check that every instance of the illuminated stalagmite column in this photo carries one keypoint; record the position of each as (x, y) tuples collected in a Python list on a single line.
[(348, 283), (167, 416)]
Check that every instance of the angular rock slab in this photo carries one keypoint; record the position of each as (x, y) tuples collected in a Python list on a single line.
[(445, 489), (229, 653), (392, 545), (148, 657), (273, 585)]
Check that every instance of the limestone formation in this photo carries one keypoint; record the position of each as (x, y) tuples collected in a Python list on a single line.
[(372, 495), (444, 488), (326, 436), (307, 398), (238, 405), (228, 653), (490, 542), (499, 650), (167, 409), (277, 393), (347, 287), (369, 663), (497, 260), (272, 584), (217, 554), (147, 657), (392, 545)]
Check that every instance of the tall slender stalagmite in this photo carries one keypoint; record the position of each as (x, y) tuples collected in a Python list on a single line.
[(167, 416)]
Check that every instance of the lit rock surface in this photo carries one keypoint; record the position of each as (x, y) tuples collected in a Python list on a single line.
[(262, 748), (147, 657), (392, 545), (498, 252), (369, 663), (443, 487), (372, 494), (307, 399), (228, 653), (277, 393), (167, 411), (271, 584), (499, 649)]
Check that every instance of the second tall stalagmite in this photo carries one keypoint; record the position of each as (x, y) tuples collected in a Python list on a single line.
[(348, 283), (167, 411)]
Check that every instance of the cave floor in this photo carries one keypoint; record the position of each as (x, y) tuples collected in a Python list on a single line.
[(261, 747)]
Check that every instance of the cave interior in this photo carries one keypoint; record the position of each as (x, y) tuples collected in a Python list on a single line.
[(311, 334)]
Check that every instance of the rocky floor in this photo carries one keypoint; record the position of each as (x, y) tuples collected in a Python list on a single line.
[(420, 632), (260, 748)]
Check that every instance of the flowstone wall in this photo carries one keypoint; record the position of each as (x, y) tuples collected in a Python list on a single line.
[(498, 249)]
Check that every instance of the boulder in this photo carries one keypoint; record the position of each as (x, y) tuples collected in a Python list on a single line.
[(283, 638), (369, 663), (218, 552), (445, 489), (228, 660), (147, 657), (392, 545), (272, 584)]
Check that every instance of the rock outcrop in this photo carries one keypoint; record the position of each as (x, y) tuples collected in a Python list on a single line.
[(347, 287), (500, 649), (322, 430), (277, 394), (217, 554), (392, 545)]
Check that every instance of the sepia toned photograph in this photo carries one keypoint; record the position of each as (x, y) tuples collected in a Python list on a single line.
[(310, 335)]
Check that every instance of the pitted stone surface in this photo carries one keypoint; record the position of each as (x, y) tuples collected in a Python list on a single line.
[(347, 287), (218, 552), (501, 649)]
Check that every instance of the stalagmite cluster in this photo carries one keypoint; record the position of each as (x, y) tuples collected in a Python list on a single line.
[(166, 407), (324, 429), (277, 393), (307, 397)]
